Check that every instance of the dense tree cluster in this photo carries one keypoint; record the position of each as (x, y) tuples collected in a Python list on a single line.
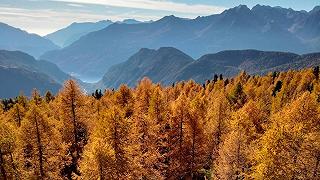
[(246, 127)]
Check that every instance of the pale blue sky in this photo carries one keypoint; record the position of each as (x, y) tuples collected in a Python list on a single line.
[(45, 16)]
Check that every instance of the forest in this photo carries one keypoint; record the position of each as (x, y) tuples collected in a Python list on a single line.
[(245, 127)]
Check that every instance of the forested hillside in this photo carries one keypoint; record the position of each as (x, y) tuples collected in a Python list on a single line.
[(246, 127)]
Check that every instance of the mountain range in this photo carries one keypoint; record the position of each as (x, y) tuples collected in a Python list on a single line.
[(168, 65), (262, 27), (74, 31), (66, 36), (12, 38), (20, 72)]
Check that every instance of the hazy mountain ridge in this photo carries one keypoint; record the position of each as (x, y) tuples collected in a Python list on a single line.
[(74, 31), (16, 39), (21, 60), (262, 27), (231, 62), (159, 65), (21, 72), (151, 63), (17, 80), (66, 36)]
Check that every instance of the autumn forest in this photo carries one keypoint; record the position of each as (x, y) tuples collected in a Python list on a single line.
[(246, 127)]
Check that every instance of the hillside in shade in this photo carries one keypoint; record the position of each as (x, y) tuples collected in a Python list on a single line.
[(15, 81), (16, 39), (160, 65), (20, 72), (262, 27), (170, 65)]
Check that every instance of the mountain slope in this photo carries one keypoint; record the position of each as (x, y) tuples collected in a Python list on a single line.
[(20, 60), (17, 80), (21, 72), (230, 63), (262, 27), (16, 39), (74, 31), (159, 65), (303, 61), (169, 65)]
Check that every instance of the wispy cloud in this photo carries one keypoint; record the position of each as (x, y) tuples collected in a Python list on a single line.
[(44, 21), (75, 5), (162, 5), (45, 16)]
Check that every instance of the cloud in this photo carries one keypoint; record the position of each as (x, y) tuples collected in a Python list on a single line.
[(44, 21), (75, 5), (48, 17), (162, 5)]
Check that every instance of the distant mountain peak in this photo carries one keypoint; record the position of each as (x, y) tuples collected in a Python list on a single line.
[(241, 9), (168, 49), (131, 21), (105, 21), (259, 7), (168, 18), (145, 50), (315, 9), (241, 6)]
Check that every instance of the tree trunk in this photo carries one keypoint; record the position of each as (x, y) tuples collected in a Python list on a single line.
[(19, 116), (315, 172), (193, 151), (3, 170), (39, 145), (13, 166), (74, 120)]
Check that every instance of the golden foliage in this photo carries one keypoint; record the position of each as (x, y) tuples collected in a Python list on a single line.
[(246, 127)]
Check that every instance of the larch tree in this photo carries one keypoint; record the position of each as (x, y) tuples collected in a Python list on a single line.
[(233, 161), (145, 132), (72, 105), (179, 144), (41, 143), (158, 115), (195, 132), (216, 125), (125, 100), (8, 146), (108, 154), (290, 148), (17, 113)]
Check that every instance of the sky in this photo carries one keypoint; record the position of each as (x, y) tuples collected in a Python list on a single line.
[(45, 16)]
